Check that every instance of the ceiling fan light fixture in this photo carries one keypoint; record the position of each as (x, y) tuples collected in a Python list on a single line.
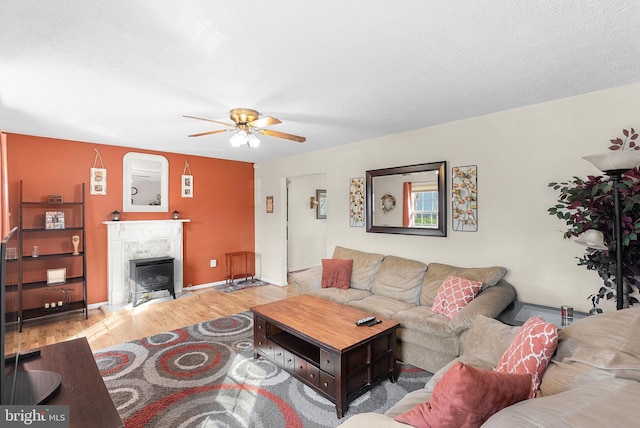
[(253, 141), (238, 139)]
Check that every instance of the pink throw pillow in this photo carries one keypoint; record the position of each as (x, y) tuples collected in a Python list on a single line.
[(454, 294), (336, 273), (467, 397), (530, 351)]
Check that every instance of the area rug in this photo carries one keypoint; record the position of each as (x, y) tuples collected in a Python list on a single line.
[(235, 286), (205, 375)]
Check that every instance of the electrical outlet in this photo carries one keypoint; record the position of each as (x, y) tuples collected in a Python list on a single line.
[(213, 263)]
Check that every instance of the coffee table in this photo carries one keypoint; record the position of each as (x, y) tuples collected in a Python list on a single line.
[(317, 341)]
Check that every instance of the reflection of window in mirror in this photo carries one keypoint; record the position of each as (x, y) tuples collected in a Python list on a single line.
[(424, 204), (145, 183)]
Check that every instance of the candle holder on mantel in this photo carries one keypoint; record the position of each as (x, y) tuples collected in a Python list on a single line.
[(176, 215), (115, 216)]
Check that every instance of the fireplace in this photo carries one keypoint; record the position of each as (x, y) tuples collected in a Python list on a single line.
[(140, 239), (150, 275)]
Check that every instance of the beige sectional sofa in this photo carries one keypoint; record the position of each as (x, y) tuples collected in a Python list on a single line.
[(593, 379), (404, 290)]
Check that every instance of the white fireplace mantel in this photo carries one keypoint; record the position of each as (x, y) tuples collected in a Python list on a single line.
[(136, 239)]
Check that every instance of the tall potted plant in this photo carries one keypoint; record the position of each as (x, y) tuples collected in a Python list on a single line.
[(589, 204)]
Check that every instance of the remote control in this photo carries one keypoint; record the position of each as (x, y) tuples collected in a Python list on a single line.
[(364, 320), (373, 322)]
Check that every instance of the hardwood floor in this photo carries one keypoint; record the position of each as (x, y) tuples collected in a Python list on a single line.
[(103, 330)]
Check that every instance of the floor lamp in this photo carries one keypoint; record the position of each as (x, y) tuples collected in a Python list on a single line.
[(615, 164)]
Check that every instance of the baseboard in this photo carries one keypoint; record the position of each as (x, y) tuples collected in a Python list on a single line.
[(202, 286)]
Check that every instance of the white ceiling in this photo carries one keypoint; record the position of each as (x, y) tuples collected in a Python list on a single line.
[(123, 72)]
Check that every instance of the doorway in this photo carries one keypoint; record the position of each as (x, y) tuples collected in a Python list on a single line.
[(306, 235)]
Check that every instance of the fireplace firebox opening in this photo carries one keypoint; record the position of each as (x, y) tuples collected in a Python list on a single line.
[(149, 276)]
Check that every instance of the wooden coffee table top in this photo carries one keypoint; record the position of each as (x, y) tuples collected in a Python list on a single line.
[(324, 321)]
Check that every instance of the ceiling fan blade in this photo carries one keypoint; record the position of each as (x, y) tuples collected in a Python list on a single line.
[(211, 120), (210, 132), (264, 121), (291, 137)]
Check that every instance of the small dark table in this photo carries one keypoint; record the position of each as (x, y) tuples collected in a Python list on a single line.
[(82, 387), (517, 313)]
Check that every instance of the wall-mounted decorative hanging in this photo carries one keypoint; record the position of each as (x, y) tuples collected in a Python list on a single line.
[(356, 202), (464, 189), (387, 203), (269, 204), (187, 181), (321, 208), (98, 179)]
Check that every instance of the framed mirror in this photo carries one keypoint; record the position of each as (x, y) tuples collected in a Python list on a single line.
[(145, 183), (408, 200)]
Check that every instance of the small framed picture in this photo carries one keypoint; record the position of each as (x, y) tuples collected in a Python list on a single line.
[(56, 276), (269, 204), (187, 186), (98, 181), (321, 208), (54, 220)]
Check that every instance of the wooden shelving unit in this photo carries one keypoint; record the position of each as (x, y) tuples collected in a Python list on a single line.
[(38, 298)]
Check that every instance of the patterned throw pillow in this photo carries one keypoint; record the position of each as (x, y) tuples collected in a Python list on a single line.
[(336, 273), (530, 351), (466, 397), (454, 294)]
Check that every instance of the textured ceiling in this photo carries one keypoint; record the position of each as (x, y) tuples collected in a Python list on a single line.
[(123, 72)]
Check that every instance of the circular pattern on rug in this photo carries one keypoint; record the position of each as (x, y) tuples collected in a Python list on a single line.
[(165, 339), (224, 405), (116, 363), (258, 372), (188, 364), (130, 395), (229, 326)]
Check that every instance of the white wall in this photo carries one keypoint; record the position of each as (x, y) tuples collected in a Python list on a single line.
[(518, 152), (307, 235)]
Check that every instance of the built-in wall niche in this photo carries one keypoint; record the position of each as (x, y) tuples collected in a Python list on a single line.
[(145, 183)]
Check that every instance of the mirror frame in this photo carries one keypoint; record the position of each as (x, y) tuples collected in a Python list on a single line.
[(440, 168), (127, 163)]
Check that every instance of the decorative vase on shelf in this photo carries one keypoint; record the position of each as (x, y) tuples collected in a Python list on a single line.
[(75, 240)]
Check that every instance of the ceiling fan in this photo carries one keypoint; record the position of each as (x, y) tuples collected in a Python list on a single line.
[(247, 122)]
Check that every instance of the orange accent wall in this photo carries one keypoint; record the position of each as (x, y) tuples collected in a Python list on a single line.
[(221, 211)]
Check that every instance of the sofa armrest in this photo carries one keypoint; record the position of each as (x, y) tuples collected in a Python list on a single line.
[(490, 302), (307, 280)]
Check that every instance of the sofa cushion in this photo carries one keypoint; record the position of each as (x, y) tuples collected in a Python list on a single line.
[(594, 348), (365, 266), (530, 350), (339, 295), (466, 397), (423, 319), (438, 272), (336, 273), (380, 305), (454, 294), (400, 279), (609, 403)]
